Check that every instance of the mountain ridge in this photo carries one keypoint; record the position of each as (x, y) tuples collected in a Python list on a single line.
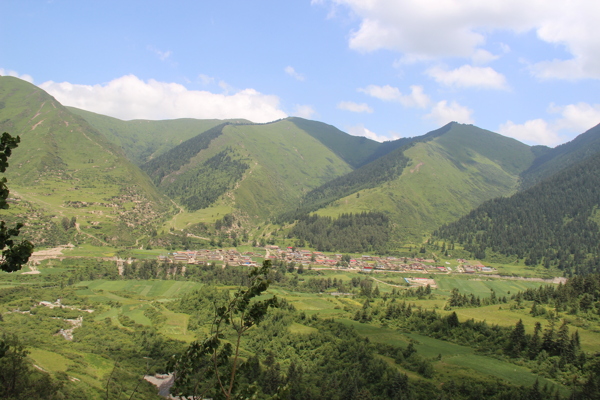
[(263, 173)]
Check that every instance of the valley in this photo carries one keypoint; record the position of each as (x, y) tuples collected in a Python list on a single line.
[(456, 264)]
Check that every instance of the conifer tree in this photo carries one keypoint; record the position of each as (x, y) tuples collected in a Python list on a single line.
[(535, 343), (517, 340)]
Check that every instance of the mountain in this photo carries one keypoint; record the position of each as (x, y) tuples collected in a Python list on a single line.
[(122, 180), (168, 152), (256, 169), (551, 161), (143, 140), (64, 168), (431, 180), (354, 150), (555, 222)]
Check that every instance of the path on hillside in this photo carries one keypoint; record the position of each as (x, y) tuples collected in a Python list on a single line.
[(25, 197), (32, 270), (198, 237), (181, 211), (389, 284), (89, 234), (557, 279)]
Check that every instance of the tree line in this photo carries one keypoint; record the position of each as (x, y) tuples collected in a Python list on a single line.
[(349, 233), (177, 157)]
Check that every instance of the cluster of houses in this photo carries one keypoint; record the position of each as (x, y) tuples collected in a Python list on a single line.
[(467, 268), (230, 257), (317, 259)]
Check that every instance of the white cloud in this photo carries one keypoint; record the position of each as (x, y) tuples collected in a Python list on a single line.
[(449, 28), (163, 55), (25, 77), (206, 80), (444, 112), (360, 130), (468, 76), (386, 93), (481, 57), (534, 131), (304, 111), (416, 98), (293, 73), (574, 119), (227, 88), (129, 97), (354, 107)]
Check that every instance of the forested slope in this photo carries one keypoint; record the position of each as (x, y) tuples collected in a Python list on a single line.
[(554, 160), (554, 222), (433, 179)]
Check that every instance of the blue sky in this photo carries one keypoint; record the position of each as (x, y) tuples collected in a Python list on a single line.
[(377, 68)]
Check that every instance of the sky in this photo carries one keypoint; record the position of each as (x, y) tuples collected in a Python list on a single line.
[(383, 69)]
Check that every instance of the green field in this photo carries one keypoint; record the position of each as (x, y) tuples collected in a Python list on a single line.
[(482, 286), (452, 356)]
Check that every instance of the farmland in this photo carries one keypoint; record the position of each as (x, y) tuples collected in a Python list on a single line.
[(129, 307)]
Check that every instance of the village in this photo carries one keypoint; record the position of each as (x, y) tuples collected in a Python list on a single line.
[(307, 259)]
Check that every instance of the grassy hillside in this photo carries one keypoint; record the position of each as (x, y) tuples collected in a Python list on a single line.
[(355, 150), (256, 169), (444, 178), (144, 140), (65, 168), (383, 169)]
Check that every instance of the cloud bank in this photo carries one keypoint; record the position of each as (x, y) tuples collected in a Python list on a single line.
[(129, 97), (574, 119), (444, 112), (425, 30), (354, 107), (468, 76), (360, 130), (416, 98), (25, 77)]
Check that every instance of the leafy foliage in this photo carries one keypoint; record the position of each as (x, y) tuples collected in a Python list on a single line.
[(18, 378), (212, 364), (14, 254)]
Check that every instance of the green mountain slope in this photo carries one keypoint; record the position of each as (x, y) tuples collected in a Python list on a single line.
[(438, 178), (354, 150), (381, 170), (143, 140), (554, 160), (555, 222), (65, 168), (257, 169)]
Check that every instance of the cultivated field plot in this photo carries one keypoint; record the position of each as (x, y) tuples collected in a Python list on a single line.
[(482, 286), (152, 289), (316, 303), (132, 298)]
